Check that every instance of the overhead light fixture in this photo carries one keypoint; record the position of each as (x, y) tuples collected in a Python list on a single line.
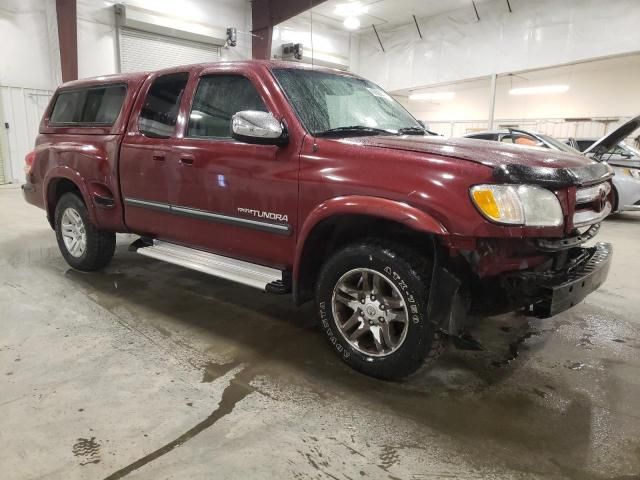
[(350, 9), (432, 96), (352, 23), (539, 90)]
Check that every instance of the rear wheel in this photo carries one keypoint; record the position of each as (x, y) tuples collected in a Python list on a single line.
[(372, 302), (82, 245)]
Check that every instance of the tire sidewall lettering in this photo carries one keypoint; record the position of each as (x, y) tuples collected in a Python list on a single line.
[(327, 328)]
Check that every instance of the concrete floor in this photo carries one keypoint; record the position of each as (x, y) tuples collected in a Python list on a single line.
[(151, 371)]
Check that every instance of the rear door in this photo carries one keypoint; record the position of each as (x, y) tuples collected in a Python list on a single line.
[(234, 198), (147, 161)]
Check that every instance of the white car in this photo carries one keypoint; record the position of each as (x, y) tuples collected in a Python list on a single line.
[(622, 158)]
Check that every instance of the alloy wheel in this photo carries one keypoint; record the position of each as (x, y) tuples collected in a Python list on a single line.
[(73, 232), (370, 312)]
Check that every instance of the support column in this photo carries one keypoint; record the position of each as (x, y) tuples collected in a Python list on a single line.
[(68, 38), (265, 14), (492, 101)]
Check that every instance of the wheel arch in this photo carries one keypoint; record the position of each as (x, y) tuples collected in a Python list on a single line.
[(343, 220), (63, 180), (615, 198)]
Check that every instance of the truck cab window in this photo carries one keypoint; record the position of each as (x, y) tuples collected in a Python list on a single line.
[(160, 110), (217, 99)]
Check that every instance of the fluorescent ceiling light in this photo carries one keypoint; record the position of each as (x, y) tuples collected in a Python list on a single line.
[(432, 96), (539, 90), (351, 9), (352, 23)]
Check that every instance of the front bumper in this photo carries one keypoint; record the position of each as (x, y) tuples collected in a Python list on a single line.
[(549, 293)]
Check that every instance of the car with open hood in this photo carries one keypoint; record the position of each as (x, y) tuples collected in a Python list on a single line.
[(610, 149), (316, 184)]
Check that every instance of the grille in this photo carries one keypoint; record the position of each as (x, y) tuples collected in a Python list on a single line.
[(592, 204)]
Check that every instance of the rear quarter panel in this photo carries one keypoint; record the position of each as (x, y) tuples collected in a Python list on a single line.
[(85, 155)]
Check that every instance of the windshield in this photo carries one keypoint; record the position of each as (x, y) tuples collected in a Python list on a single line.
[(622, 149), (327, 101), (557, 144)]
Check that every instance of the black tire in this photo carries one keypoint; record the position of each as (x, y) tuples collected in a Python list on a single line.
[(410, 273), (100, 245)]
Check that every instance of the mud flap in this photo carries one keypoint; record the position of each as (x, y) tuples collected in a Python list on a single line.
[(447, 307)]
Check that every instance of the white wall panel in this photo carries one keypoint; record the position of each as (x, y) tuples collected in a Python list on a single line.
[(599, 89), (22, 109), (26, 56), (329, 44), (537, 34)]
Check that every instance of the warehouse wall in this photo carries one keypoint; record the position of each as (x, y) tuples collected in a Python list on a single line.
[(30, 59), (537, 34), (29, 44), (330, 44), (596, 89), (97, 54)]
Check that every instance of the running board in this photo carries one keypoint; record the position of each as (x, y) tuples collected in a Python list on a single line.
[(257, 276)]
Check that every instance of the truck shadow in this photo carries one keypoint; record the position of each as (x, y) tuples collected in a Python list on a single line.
[(474, 396)]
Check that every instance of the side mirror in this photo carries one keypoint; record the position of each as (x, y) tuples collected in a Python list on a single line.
[(252, 126)]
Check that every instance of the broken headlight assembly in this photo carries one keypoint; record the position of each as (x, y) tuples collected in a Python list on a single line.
[(526, 205)]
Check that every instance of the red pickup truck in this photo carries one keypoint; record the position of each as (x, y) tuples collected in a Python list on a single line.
[(316, 182)]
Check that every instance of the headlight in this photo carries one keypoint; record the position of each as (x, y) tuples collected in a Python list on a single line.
[(632, 172), (518, 205)]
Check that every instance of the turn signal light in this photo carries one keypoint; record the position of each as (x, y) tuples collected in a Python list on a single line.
[(487, 203)]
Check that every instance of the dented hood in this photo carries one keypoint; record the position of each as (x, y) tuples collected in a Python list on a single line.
[(511, 163)]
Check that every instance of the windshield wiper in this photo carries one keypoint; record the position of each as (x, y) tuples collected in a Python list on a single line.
[(354, 129), (412, 131)]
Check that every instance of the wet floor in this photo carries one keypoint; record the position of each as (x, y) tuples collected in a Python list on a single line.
[(147, 370)]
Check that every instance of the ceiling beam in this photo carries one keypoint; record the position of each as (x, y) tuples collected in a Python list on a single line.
[(265, 14), (68, 38)]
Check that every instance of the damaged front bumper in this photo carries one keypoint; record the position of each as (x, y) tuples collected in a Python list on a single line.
[(548, 293)]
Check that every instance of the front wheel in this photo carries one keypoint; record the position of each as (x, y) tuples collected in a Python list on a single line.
[(372, 302), (82, 245)]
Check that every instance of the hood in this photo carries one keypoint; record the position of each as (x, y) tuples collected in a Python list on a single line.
[(510, 163), (609, 141), (491, 154)]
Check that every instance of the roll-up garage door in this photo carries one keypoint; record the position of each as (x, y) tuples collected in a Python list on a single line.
[(140, 51)]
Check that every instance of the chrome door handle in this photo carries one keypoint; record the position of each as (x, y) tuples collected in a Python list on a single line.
[(186, 159)]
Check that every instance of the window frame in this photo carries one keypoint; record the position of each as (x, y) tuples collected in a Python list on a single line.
[(143, 99), (193, 97), (86, 89)]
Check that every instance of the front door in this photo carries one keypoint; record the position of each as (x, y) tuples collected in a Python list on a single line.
[(147, 162), (233, 198)]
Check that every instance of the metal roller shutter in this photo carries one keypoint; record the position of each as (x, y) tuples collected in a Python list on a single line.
[(141, 51)]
